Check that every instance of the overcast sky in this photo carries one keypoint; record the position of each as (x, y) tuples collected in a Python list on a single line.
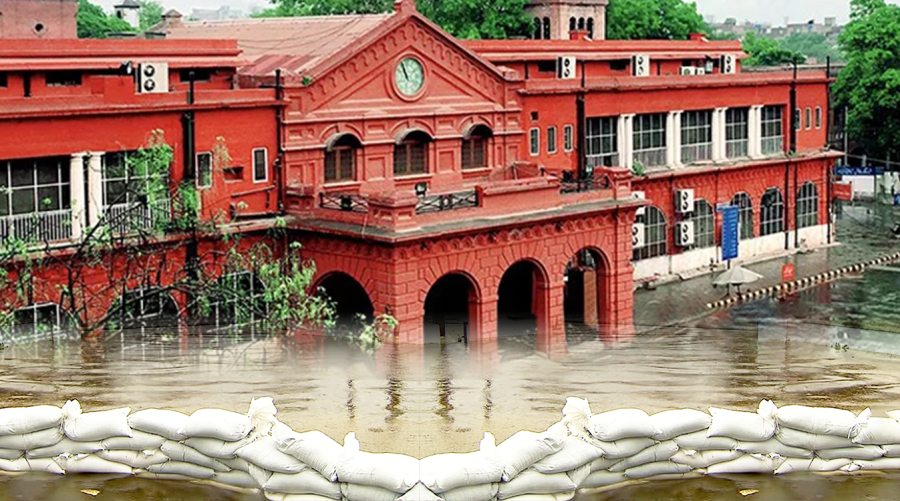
[(765, 11)]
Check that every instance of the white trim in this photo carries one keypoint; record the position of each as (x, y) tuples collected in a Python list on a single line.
[(253, 163), (552, 144), (197, 169), (819, 117), (571, 130), (531, 148), (809, 118)]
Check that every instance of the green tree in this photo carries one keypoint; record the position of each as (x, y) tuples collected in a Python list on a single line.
[(812, 45), (93, 22), (653, 19), (869, 86), (768, 52), (151, 13)]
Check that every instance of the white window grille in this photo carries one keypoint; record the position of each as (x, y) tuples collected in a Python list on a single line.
[(737, 132), (696, 136), (655, 234), (650, 139), (602, 138), (808, 205), (35, 199), (704, 224), (771, 213), (772, 130), (745, 206), (535, 140)]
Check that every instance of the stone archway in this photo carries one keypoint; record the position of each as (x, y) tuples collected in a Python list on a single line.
[(350, 299), (451, 309), (523, 299), (587, 292)]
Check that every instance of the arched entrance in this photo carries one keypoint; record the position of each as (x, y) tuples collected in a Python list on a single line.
[(451, 309), (586, 292), (522, 299), (350, 299)]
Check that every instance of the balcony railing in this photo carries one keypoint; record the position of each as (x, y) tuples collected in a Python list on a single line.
[(598, 180), (344, 202), (128, 218), (38, 226), (447, 201)]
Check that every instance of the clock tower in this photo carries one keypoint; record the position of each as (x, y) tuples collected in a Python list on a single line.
[(556, 19)]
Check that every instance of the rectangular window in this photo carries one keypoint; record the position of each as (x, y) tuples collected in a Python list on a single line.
[(340, 164), (818, 117), (200, 74), (125, 185), (535, 139), (37, 319), (602, 140), (736, 132), (3, 80), (798, 124), (260, 165), (696, 136), (35, 203), (474, 153), (63, 79), (808, 118), (551, 139), (772, 130), (567, 138), (204, 170), (546, 66), (650, 139), (619, 65)]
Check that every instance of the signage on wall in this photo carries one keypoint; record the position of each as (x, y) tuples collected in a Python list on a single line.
[(788, 273), (730, 232), (843, 191), (846, 170)]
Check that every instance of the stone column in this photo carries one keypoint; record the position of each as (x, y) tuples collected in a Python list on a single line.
[(754, 131), (626, 141), (76, 194), (718, 134), (95, 188), (672, 156), (676, 137)]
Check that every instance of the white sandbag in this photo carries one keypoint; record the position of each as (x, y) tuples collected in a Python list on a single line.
[(160, 422), (658, 468), (483, 492), (698, 441), (794, 465), (671, 424), (756, 426), (876, 431), (623, 423), (260, 475), (236, 463), (33, 440), (574, 452), (659, 452), (627, 447), (774, 446), (561, 496), (90, 463), (819, 420), (313, 448), (94, 426), (444, 472), (603, 478), (265, 454), (748, 463), (895, 415), (419, 493), (11, 454), (24, 420), (602, 463), (811, 441), (882, 464), (180, 452), (276, 496), (395, 472), (525, 448), (139, 442), (533, 482), (355, 492), (867, 452), (262, 416), (213, 447), (579, 475), (217, 423), (704, 459), (181, 468), (305, 482), (21, 465), (64, 446), (576, 416), (135, 459), (236, 478), (891, 450)]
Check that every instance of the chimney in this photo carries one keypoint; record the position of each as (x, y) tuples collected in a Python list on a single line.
[(130, 12)]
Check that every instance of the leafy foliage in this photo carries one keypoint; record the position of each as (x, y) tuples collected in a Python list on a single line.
[(151, 13), (93, 22), (653, 19), (813, 45), (768, 52)]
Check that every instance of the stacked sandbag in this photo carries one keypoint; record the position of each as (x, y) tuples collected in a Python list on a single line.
[(29, 428), (818, 439)]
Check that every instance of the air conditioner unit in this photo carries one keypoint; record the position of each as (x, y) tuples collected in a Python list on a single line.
[(688, 71), (637, 235), (699, 71), (684, 201), (639, 195), (640, 65), (565, 67), (152, 78), (729, 64), (684, 233)]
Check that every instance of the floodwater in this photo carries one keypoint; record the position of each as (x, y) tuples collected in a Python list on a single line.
[(443, 397)]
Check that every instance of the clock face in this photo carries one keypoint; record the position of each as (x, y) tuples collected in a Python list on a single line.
[(410, 76)]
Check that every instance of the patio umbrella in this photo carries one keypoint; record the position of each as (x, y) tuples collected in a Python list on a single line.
[(737, 276)]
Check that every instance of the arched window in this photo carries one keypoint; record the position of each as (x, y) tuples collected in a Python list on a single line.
[(655, 234), (537, 29), (590, 27), (545, 31), (147, 307), (771, 213), (340, 158), (580, 24), (411, 154), (745, 206), (704, 224), (571, 24), (474, 147), (238, 300), (808, 205), (37, 319)]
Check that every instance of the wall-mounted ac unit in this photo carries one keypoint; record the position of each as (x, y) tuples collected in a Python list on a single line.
[(152, 78), (640, 65), (688, 71), (565, 67), (684, 233), (637, 235), (684, 201), (729, 64), (639, 195), (699, 71)]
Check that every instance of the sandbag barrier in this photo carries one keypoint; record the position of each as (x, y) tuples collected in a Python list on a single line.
[(797, 285), (584, 451)]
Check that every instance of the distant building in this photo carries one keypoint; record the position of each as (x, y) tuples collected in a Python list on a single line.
[(557, 19), (130, 12), (222, 13)]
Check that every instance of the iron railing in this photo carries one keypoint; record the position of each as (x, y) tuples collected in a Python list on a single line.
[(598, 180), (47, 226), (128, 218), (345, 202), (447, 201)]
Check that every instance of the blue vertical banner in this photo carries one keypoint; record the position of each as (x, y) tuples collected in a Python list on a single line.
[(731, 226)]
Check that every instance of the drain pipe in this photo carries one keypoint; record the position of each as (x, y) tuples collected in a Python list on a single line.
[(279, 135)]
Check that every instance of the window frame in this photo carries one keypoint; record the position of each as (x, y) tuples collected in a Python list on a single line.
[(63, 78), (601, 132), (745, 215), (696, 136), (772, 129), (534, 141), (771, 218), (655, 136), (469, 149), (737, 128), (57, 326), (62, 185), (818, 117), (198, 180), (704, 224), (808, 118), (568, 136), (807, 206), (551, 140), (408, 144), (265, 152), (339, 153), (655, 225)]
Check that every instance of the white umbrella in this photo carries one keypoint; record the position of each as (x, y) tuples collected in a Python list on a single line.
[(737, 276)]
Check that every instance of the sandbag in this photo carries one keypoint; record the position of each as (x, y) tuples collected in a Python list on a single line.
[(444, 472), (560, 496), (704, 459), (45, 465), (774, 446), (215, 448), (602, 463), (139, 442), (33, 440), (748, 463), (305, 482), (483, 492), (744, 426), (394, 472), (533, 482), (180, 452), (24, 420), (313, 448), (236, 463), (819, 420), (135, 459), (603, 478), (891, 450), (883, 464), (419, 493), (868, 452), (698, 441), (811, 441), (276, 496), (623, 423), (658, 468), (90, 463), (578, 475), (576, 416), (792, 465), (355, 492), (11, 454), (525, 448), (671, 424), (876, 431), (621, 449), (181, 468), (895, 415), (659, 452), (265, 454), (217, 423), (260, 475), (94, 426), (574, 452), (164, 423), (64, 446), (236, 478)]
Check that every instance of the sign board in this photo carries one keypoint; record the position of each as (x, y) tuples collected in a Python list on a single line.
[(845, 170), (843, 191), (731, 225), (787, 273)]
